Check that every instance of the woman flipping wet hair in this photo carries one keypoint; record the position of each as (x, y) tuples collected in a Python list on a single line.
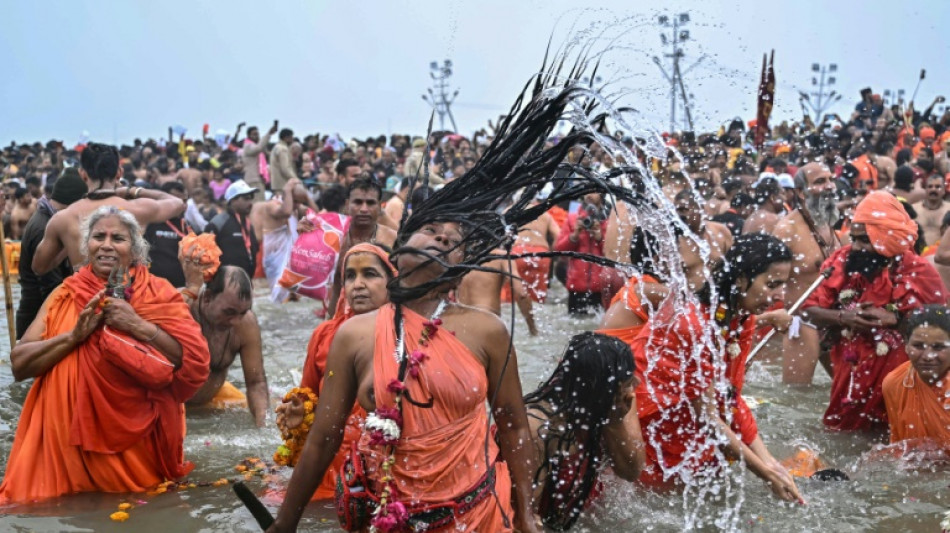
[(425, 368), (583, 419)]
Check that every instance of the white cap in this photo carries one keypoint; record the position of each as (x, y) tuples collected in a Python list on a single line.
[(238, 188), (786, 181)]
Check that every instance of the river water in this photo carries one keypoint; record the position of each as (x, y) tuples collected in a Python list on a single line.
[(882, 495)]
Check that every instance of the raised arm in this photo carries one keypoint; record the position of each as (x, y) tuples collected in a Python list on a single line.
[(326, 434), (252, 361), (514, 435), (33, 356), (149, 206)]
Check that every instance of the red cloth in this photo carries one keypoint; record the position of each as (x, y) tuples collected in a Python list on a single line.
[(889, 227), (910, 283), (582, 276), (533, 271), (670, 384), (88, 424), (630, 295), (559, 215)]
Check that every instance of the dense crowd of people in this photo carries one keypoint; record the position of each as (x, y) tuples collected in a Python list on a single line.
[(137, 266)]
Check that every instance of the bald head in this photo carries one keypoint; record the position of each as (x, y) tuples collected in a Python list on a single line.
[(812, 171), (230, 277)]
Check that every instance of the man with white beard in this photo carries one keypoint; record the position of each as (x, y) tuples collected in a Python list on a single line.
[(808, 233)]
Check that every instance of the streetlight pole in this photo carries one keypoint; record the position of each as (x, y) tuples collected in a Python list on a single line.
[(823, 77), (438, 97), (679, 36)]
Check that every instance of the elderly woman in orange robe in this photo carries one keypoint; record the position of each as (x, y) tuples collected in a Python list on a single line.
[(917, 393), (366, 271), (115, 354)]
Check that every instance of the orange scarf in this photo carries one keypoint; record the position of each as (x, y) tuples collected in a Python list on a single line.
[(916, 409)]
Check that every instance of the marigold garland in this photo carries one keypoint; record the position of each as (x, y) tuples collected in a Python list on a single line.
[(288, 453)]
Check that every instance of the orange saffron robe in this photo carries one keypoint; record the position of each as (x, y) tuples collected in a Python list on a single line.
[(920, 411), (314, 369), (441, 454), (87, 424)]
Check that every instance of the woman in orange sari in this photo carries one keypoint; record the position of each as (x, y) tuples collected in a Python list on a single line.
[(366, 271), (115, 354), (917, 393)]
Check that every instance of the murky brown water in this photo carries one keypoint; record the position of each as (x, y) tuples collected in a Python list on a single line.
[(880, 497)]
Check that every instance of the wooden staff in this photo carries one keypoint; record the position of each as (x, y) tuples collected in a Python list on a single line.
[(7, 289), (794, 308)]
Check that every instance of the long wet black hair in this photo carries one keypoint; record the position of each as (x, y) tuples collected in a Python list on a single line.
[(580, 395), (517, 166), (751, 254)]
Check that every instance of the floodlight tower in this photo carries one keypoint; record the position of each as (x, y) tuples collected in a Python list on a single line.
[(438, 97)]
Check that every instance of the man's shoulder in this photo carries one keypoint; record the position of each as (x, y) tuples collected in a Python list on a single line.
[(789, 224)]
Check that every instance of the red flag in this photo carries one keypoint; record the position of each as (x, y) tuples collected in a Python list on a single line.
[(766, 99)]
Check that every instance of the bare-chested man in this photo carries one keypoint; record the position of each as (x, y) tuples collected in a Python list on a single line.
[(23, 207), (930, 210), (100, 170), (809, 235), (770, 198), (717, 235), (906, 187), (278, 219), (483, 291), (222, 307), (363, 208), (886, 168), (397, 204)]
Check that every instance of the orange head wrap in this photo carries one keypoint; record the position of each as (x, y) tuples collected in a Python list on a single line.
[(927, 133), (203, 249), (889, 227), (342, 308)]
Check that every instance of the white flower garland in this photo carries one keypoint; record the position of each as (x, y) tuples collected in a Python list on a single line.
[(389, 428)]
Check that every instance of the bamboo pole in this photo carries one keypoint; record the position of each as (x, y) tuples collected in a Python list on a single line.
[(7, 289)]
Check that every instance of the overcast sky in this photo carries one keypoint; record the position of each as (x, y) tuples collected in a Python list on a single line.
[(123, 69)]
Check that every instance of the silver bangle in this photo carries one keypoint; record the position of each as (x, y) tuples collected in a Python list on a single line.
[(153, 337)]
